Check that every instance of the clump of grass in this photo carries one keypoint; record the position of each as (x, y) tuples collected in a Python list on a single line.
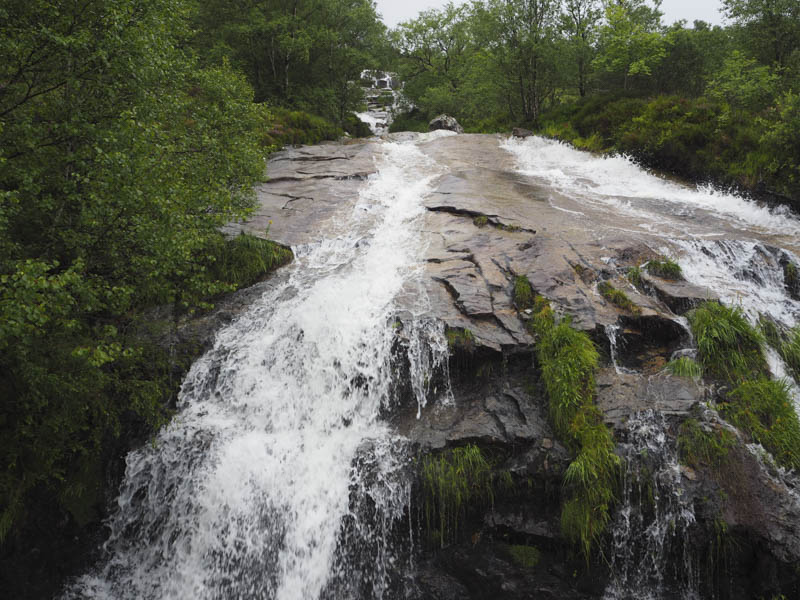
[(245, 259), (567, 359), (770, 331), (791, 279), (764, 410), (480, 221), (523, 293), (729, 347), (634, 275), (458, 338), (526, 557), (454, 482), (617, 297), (699, 446), (790, 352), (685, 367), (665, 267)]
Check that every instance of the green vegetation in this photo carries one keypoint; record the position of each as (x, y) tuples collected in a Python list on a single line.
[(567, 359), (523, 294), (480, 221), (634, 275), (704, 445), (729, 347), (763, 409), (526, 557), (460, 339), (453, 483), (617, 297), (685, 367), (665, 268), (790, 352)]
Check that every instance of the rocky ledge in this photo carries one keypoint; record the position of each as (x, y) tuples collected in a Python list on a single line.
[(488, 225)]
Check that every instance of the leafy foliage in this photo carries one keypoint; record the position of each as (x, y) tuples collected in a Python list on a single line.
[(119, 159)]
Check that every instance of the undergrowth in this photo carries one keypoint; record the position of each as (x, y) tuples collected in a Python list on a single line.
[(243, 260), (617, 297), (568, 359)]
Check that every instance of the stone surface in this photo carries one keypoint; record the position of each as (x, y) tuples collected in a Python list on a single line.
[(445, 122)]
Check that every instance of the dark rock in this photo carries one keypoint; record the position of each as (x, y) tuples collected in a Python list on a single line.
[(445, 122), (519, 132)]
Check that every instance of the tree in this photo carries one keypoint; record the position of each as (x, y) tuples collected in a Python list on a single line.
[(630, 41), (119, 161), (770, 28), (578, 21)]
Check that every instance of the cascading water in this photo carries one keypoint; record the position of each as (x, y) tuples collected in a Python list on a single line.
[(727, 244), (651, 524), (277, 479)]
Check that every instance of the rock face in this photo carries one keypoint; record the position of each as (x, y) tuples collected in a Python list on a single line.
[(486, 225), (445, 122)]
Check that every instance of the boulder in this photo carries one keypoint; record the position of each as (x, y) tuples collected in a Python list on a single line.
[(445, 122), (519, 132)]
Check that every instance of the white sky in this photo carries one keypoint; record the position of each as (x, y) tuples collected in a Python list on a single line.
[(395, 11)]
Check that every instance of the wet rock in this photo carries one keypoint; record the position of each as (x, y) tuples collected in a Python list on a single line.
[(445, 122), (679, 296), (519, 132)]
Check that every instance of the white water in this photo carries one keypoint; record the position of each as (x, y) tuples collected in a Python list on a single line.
[(277, 479), (652, 520)]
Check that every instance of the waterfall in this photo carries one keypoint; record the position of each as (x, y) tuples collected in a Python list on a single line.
[(277, 478), (651, 524)]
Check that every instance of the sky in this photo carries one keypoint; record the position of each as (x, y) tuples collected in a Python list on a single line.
[(395, 11)]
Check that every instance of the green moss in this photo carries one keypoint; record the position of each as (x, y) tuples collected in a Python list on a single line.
[(617, 297), (666, 268), (526, 557), (480, 221), (684, 367), (567, 359), (763, 409), (699, 446), (458, 338), (453, 483), (729, 347), (523, 293)]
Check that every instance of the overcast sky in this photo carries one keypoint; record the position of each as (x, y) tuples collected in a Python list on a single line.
[(395, 11)]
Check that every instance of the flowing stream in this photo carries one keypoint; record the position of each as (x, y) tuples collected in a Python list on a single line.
[(278, 478)]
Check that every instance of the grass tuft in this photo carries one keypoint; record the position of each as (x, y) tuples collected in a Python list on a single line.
[(685, 367), (666, 268), (567, 359), (460, 338), (523, 293), (480, 221), (700, 446), (790, 352), (634, 275), (526, 557), (617, 297), (453, 482), (729, 347), (764, 410)]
